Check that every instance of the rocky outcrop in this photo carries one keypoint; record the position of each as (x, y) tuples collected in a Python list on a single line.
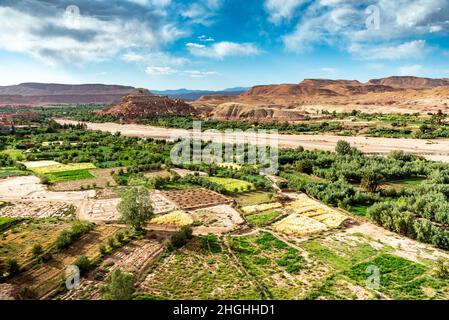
[(142, 104), (239, 111)]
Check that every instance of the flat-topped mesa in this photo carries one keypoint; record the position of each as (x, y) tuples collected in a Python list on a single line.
[(408, 82), (140, 103), (318, 88)]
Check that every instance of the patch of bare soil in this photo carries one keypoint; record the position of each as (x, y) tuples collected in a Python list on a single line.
[(161, 204), (217, 220), (99, 210), (31, 209), (184, 172), (29, 188)]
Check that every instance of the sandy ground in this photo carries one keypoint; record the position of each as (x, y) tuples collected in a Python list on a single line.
[(437, 149), (98, 210), (217, 220), (41, 210), (29, 188)]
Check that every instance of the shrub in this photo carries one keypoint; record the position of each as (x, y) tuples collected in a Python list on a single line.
[(37, 250), (119, 236), (180, 238), (343, 147), (12, 267), (83, 263), (120, 286), (64, 240)]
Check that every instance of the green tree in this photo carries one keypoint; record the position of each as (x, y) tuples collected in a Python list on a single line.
[(371, 181), (305, 166), (343, 147), (135, 207), (438, 118), (120, 286)]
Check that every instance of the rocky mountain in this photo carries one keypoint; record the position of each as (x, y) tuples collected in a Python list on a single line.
[(33, 94), (141, 103)]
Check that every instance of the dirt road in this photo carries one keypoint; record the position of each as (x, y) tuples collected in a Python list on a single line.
[(437, 149)]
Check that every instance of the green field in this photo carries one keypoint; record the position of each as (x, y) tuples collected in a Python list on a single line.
[(232, 185), (68, 175), (6, 172), (253, 198), (5, 222), (263, 217), (201, 270)]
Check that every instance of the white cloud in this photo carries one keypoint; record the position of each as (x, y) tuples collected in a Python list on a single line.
[(280, 10), (160, 71), (195, 45), (342, 24), (200, 74), (52, 40), (202, 12), (408, 50), (412, 70), (223, 49), (155, 3), (329, 70), (204, 38)]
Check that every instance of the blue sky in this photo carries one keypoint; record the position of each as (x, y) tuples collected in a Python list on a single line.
[(216, 44)]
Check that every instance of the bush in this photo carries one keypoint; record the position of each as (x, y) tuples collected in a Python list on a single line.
[(343, 147), (64, 240), (12, 267), (442, 270), (37, 250), (180, 238), (84, 264), (119, 236), (67, 237), (103, 249), (120, 286)]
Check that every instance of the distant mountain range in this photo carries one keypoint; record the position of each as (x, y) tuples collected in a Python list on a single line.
[(51, 94), (44, 93), (192, 95)]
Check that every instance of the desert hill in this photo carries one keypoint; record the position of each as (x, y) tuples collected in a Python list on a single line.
[(410, 82), (141, 103), (393, 94)]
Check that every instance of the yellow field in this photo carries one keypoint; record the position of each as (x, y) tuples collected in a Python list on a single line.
[(178, 218), (62, 167), (298, 225), (309, 216), (261, 207)]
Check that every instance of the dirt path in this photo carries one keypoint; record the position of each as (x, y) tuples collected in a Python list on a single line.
[(437, 149)]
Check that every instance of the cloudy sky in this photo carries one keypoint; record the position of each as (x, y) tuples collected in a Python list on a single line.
[(216, 44)]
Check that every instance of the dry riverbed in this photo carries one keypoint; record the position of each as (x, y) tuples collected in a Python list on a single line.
[(436, 149)]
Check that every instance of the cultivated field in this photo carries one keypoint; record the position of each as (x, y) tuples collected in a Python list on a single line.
[(195, 198)]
